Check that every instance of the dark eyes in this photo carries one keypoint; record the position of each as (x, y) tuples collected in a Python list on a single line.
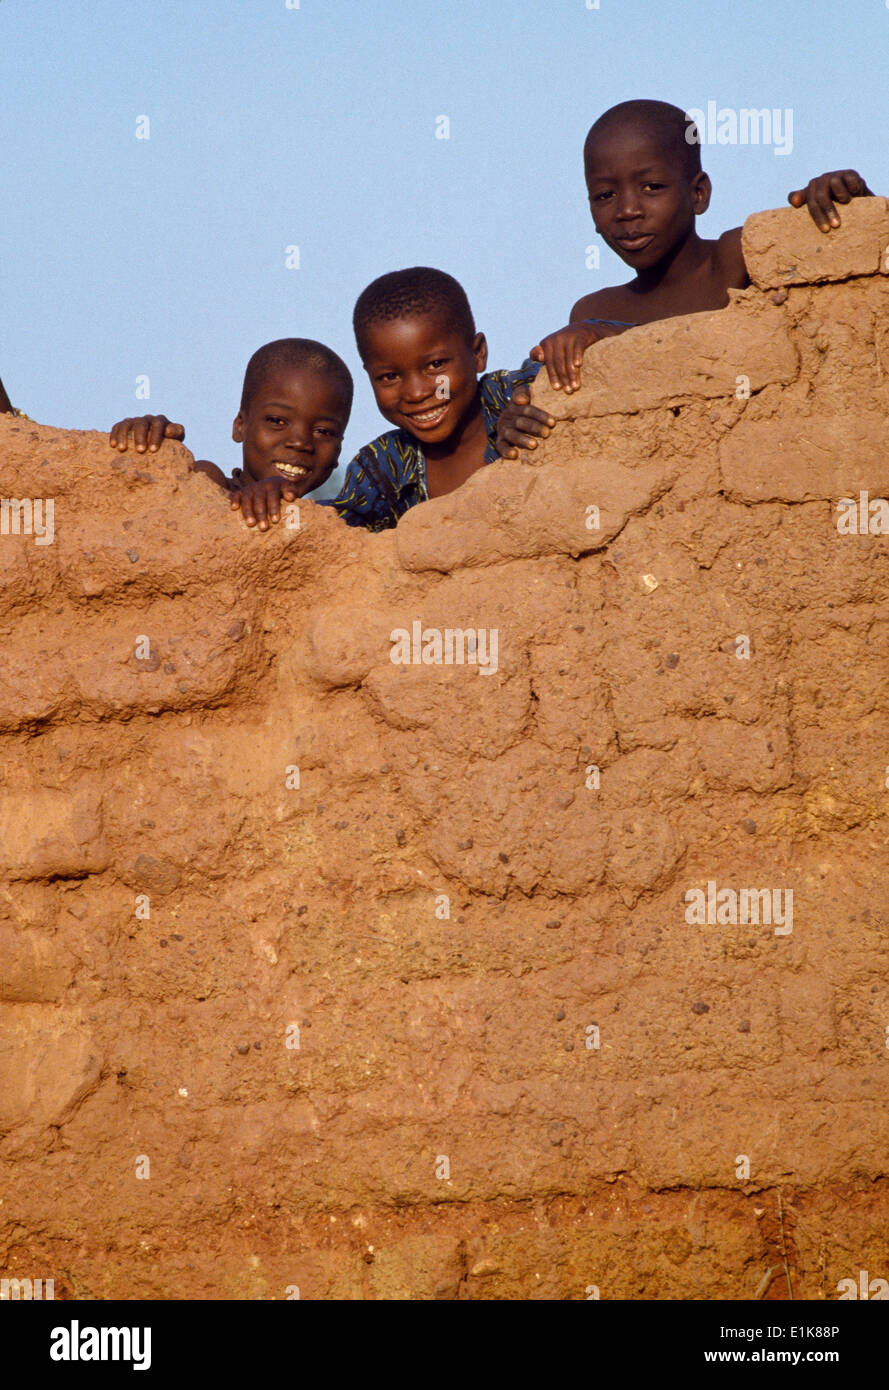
[(319, 429), (646, 188), (435, 365)]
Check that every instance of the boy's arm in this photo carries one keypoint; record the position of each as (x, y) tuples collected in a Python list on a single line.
[(820, 194), (843, 185), (5, 402)]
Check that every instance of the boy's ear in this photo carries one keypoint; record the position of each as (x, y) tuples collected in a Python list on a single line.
[(238, 428), (701, 192), (480, 351)]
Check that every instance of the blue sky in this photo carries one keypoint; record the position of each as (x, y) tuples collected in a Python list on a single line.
[(272, 127)]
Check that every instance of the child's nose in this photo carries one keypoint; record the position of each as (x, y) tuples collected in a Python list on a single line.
[(628, 206), (416, 387)]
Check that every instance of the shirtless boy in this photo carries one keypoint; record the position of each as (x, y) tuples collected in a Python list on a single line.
[(646, 187)]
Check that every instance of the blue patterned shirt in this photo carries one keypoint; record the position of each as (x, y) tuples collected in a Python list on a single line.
[(388, 476)]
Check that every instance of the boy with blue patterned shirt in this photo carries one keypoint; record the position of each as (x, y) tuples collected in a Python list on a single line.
[(418, 344)]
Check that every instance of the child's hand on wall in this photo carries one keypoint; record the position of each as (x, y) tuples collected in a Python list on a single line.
[(148, 432), (521, 424), (820, 193), (259, 502), (562, 352)]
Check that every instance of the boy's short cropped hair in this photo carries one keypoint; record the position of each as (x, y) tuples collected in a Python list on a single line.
[(293, 352), (404, 293), (670, 124)]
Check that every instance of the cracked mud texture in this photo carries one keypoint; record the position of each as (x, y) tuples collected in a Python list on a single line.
[(159, 784)]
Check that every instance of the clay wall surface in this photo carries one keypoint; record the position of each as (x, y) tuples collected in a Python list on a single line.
[(521, 1071)]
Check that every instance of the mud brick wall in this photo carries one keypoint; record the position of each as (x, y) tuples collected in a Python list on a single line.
[(441, 1014)]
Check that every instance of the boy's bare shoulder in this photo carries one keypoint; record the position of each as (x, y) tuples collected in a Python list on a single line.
[(729, 258), (213, 471), (610, 303)]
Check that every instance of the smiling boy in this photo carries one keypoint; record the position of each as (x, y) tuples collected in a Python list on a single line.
[(646, 188), (295, 406), (418, 343)]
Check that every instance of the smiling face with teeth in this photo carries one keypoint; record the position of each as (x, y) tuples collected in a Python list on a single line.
[(293, 427), (424, 375)]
